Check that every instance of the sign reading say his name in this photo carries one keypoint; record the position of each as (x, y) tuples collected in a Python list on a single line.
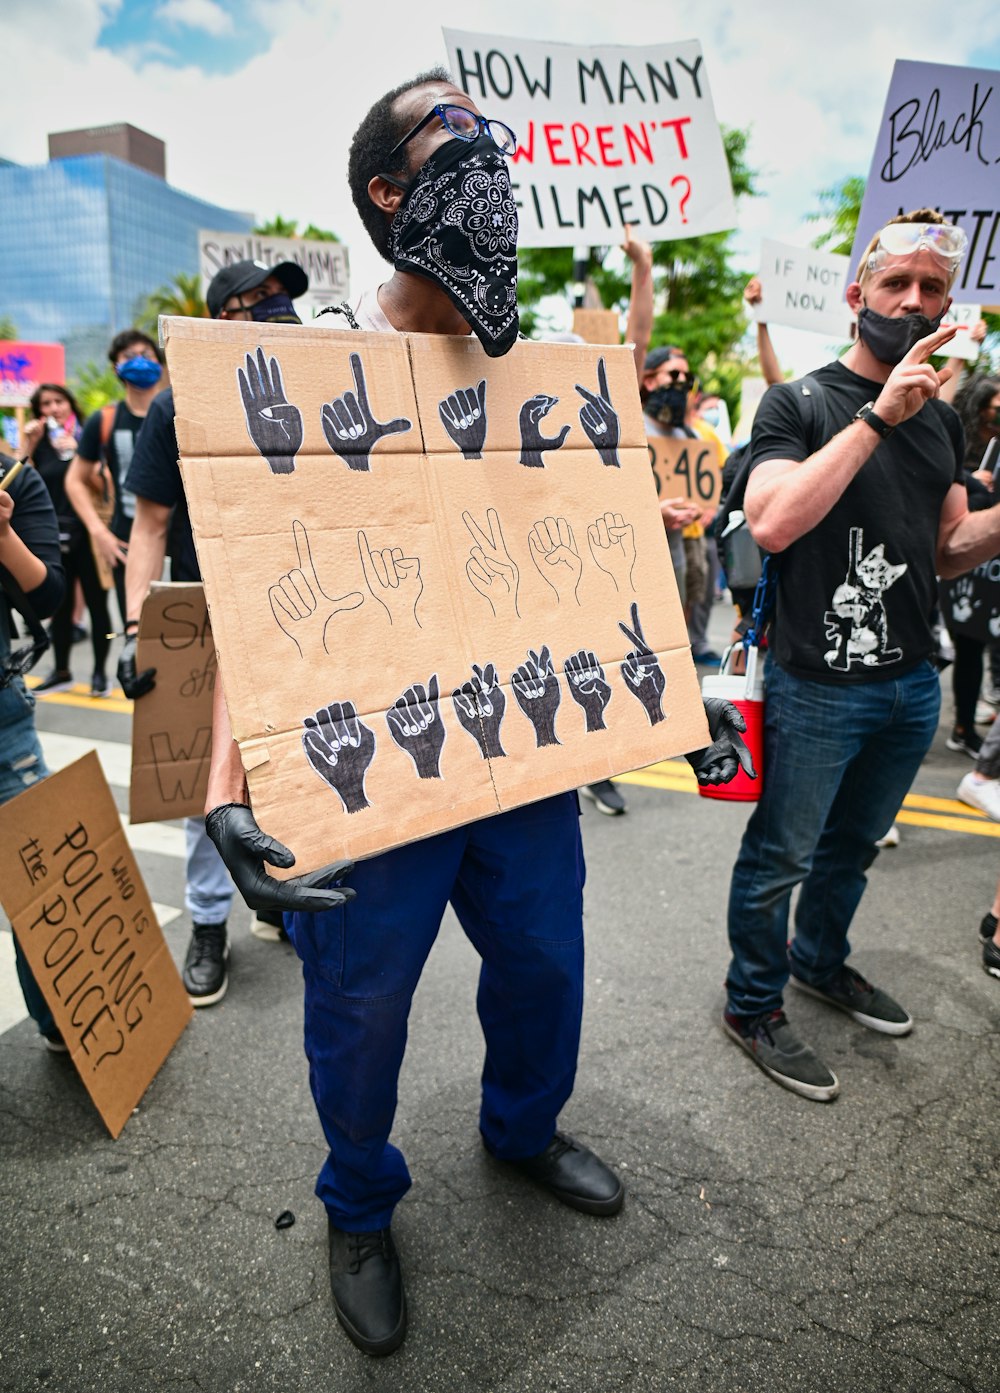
[(606, 136), (938, 146), (687, 468), (325, 263), (803, 288), (84, 921), (172, 724)]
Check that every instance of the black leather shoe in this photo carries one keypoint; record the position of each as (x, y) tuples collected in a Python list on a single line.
[(367, 1288), (574, 1175)]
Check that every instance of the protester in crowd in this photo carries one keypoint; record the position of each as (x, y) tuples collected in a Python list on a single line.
[(50, 442), (162, 527), (523, 912), (32, 584), (105, 453), (858, 490)]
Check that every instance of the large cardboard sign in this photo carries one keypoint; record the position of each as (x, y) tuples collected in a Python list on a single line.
[(970, 604), (83, 918), (597, 326), (172, 724), (938, 145), (439, 582), (25, 366), (687, 468), (803, 288), (325, 263), (607, 135)]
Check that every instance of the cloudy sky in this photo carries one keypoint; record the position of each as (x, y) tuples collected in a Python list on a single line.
[(257, 99)]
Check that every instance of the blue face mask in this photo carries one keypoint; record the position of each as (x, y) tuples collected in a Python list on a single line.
[(140, 372)]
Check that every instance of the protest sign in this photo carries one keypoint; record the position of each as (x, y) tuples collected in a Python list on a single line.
[(84, 921), (439, 582), (325, 263), (963, 345), (25, 366), (607, 135), (597, 326), (687, 468), (172, 724), (803, 288), (970, 604), (937, 147)]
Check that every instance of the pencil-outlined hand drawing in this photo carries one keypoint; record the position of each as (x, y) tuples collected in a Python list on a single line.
[(416, 725), (554, 552), (480, 705), (274, 425), (463, 415), (612, 545), (536, 689), (393, 579), (588, 686), (641, 670), (490, 568), (301, 606), (340, 747), (599, 418), (351, 429), (529, 422)]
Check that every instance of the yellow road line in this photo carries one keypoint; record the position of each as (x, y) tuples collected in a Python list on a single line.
[(79, 695), (950, 824)]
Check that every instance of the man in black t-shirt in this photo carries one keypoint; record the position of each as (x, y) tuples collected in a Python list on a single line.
[(857, 490)]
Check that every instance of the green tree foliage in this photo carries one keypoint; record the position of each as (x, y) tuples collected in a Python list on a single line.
[(840, 208), (95, 385), (8, 329), (286, 227), (182, 296)]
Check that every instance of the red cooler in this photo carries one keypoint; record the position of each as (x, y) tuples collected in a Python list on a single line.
[(746, 692)]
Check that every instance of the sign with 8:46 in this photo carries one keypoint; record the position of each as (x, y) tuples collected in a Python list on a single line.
[(687, 468)]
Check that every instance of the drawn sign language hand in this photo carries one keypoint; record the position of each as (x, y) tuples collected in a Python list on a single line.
[(600, 420), (612, 545), (463, 416), (536, 688), (529, 422), (553, 550), (480, 705), (351, 430), (641, 670), (393, 579), (299, 603), (588, 686), (340, 747), (415, 724), (490, 568), (274, 425)]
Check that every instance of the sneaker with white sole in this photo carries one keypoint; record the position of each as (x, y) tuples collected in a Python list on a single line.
[(772, 1045), (605, 797), (983, 794), (868, 1005), (269, 924), (966, 742), (58, 681), (991, 958), (988, 927), (891, 837)]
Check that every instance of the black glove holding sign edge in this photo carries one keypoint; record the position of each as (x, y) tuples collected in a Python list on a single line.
[(245, 849)]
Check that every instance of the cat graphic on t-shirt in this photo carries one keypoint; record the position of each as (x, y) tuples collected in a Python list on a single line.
[(856, 624)]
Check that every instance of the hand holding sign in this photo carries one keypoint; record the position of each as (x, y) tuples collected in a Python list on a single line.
[(612, 545), (600, 420), (300, 605), (533, 442), (393, 579), (463, 416), (274, 425), (490, 568), (553, 550), (351, 429)]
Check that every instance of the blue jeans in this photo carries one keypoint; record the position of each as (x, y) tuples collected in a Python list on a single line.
[(838, 762), (516, 884), (208, 890)]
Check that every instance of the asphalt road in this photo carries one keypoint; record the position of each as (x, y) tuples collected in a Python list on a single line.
[(767, 1243)]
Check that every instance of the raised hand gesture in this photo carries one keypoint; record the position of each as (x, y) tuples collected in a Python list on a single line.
[(641, 670), (536, 689), (393, 579), (299, 603), (553, 550), (612, 545), (351, 430), (913, 381), (340, 747), (600, 420), (415, 724), (480, 705), (529, 423), (463, 416), (720, 762), (588, 686), (274, 425), (490, 568)]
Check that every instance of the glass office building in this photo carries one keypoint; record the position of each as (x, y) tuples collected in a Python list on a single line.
[(84, 240)]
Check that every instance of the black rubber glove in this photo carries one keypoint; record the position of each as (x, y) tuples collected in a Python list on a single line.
[(244, 848), (133, 684), (720, 762)]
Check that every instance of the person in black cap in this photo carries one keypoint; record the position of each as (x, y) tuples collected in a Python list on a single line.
[(245, 290)]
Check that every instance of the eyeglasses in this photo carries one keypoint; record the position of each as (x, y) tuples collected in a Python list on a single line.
[(679, 377), (904, 238), (463, 125)]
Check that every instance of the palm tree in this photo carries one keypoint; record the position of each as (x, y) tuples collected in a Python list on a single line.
[(182, 296)]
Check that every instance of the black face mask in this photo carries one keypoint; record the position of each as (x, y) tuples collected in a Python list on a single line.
[(276, 309), (457, 226), (668, 405), (889, 340)]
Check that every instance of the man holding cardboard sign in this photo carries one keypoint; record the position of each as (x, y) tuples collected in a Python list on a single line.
[(422, 147)]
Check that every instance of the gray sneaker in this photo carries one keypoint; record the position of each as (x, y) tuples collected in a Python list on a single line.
[(770, 1042), (849, 992)]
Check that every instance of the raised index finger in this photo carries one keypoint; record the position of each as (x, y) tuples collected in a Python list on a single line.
[(927, 347)]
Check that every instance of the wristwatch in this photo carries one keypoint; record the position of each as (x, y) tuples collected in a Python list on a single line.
[(867, 414)]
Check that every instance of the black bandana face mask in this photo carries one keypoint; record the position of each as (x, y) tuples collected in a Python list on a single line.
[(457, 225), (889, 340)]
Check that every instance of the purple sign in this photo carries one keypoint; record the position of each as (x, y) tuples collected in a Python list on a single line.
[(938, 147)]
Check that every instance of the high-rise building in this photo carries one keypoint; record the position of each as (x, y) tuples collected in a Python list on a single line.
[(87, 237)]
